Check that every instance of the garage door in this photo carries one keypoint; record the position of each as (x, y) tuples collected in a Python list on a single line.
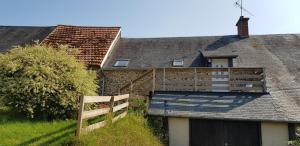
[(224, 133)]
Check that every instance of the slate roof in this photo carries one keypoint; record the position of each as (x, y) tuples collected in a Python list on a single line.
[(279, 54), (93, 42), (222, 106), (11, 36)]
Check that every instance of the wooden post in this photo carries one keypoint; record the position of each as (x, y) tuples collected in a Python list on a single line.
[(195, 79), (127, 100), (264, 81), (79, 117), (112, 104), (229, 80), (131, 87), (164, 80), (153, 81)]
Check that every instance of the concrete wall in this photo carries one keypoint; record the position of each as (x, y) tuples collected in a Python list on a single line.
[(274, 134), (178, 131)]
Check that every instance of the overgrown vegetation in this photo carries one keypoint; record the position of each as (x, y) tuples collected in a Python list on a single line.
[(157, 124), (41, 81), (130, 131)]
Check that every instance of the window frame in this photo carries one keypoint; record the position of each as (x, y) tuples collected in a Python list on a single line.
[(120, 60), (178, 60)]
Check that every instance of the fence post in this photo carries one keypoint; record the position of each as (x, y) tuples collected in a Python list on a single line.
[(229, 79), (164, 80), (112, 104), (79, 117), (153, 81), (195, 79), (131, 87), (127, 100)]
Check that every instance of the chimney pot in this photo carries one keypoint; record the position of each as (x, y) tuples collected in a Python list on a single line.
[(242, 27)]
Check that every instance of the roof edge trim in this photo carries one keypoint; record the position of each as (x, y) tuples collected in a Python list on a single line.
[(111, 47)]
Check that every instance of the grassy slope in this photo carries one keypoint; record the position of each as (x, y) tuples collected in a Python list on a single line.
[(130, 131), (16, 130)]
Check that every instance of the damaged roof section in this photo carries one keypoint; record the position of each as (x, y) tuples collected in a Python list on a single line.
[(224, 106), (92, 42), (11, 36)]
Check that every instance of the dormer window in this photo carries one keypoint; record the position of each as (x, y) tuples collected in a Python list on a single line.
[(177, 63), (121, 63)]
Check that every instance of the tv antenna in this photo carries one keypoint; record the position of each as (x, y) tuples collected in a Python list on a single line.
[(239, 4)]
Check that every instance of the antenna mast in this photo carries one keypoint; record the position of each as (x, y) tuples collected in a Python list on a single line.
[(240, 5)]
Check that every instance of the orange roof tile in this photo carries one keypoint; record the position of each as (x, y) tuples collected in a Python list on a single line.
[(92, 42)]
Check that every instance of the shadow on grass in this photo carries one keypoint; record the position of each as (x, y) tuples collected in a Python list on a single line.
[(65, 132), (6, 115)]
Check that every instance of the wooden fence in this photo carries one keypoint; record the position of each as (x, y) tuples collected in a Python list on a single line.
[(209, 79), (115, 103)]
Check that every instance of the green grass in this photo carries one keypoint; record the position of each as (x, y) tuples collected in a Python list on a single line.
[(17, 130), (129, 131)]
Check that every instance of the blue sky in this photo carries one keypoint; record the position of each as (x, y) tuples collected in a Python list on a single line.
[(156, 18)]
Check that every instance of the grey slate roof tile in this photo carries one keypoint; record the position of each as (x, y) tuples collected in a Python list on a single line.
[(210, 105), (11, 36)]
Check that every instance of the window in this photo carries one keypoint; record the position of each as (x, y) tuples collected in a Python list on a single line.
[(121, 63), (177, 62)]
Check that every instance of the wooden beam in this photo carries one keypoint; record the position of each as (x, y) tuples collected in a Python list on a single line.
[(94, 113), (246, 76), (135, 80), (121, 97), (92, 99), (119, 107)]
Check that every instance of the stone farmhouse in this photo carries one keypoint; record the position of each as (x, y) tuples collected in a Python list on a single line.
[(236, 90)]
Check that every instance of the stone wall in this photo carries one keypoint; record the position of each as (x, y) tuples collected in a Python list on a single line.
[(111, 81)]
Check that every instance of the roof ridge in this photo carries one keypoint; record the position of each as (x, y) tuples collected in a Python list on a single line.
[(82, 26), (209, 36), (25, 26)]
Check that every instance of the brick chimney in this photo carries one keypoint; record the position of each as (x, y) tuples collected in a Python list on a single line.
[(242, 26)]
